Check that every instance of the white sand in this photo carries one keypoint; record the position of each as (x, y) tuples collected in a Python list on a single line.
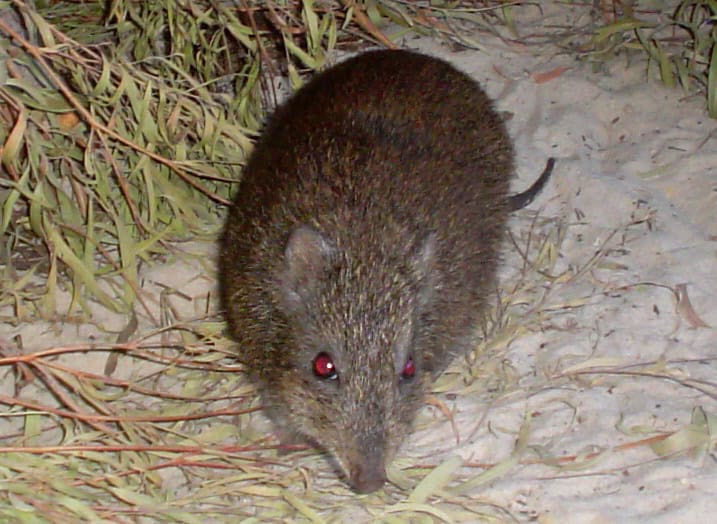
[(627, 150)]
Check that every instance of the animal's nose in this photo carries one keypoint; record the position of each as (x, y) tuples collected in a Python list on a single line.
[(366, 478)]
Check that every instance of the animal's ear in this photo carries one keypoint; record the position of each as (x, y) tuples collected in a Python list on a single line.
[(307, 257), (423, 262)]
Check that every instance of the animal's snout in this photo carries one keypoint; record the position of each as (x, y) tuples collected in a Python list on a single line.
[(368, 476)]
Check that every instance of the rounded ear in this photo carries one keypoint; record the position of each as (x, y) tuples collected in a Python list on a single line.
[(307, 257)]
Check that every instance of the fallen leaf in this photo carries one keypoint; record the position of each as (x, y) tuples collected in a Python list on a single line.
[(685, 309), (541, 78), (67, 121)]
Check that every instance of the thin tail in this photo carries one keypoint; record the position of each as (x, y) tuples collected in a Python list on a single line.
[(520, 200)]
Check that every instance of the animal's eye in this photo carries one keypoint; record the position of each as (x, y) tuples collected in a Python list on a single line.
[(324, 367), (409, 369)]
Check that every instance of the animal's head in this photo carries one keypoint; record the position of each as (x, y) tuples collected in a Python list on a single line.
[(356, 374)]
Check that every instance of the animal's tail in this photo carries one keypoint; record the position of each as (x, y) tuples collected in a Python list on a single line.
[(520, 200)]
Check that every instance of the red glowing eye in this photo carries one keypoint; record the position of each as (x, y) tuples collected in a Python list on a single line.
[(409, 369), (324, 366)]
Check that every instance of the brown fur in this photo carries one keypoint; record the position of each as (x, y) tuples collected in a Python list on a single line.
[(366, 226)]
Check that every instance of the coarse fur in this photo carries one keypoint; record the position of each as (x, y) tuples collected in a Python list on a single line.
[(367, 228)]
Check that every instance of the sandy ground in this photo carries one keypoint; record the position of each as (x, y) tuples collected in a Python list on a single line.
[(606, 355)]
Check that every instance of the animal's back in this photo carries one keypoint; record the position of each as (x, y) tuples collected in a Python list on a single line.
[(392, 128), (380, 151)]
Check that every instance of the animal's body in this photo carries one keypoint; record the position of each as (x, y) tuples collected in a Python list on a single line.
[(362, 247)]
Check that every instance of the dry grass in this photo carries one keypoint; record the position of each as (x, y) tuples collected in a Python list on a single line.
[(678, 39), (124, 132)]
